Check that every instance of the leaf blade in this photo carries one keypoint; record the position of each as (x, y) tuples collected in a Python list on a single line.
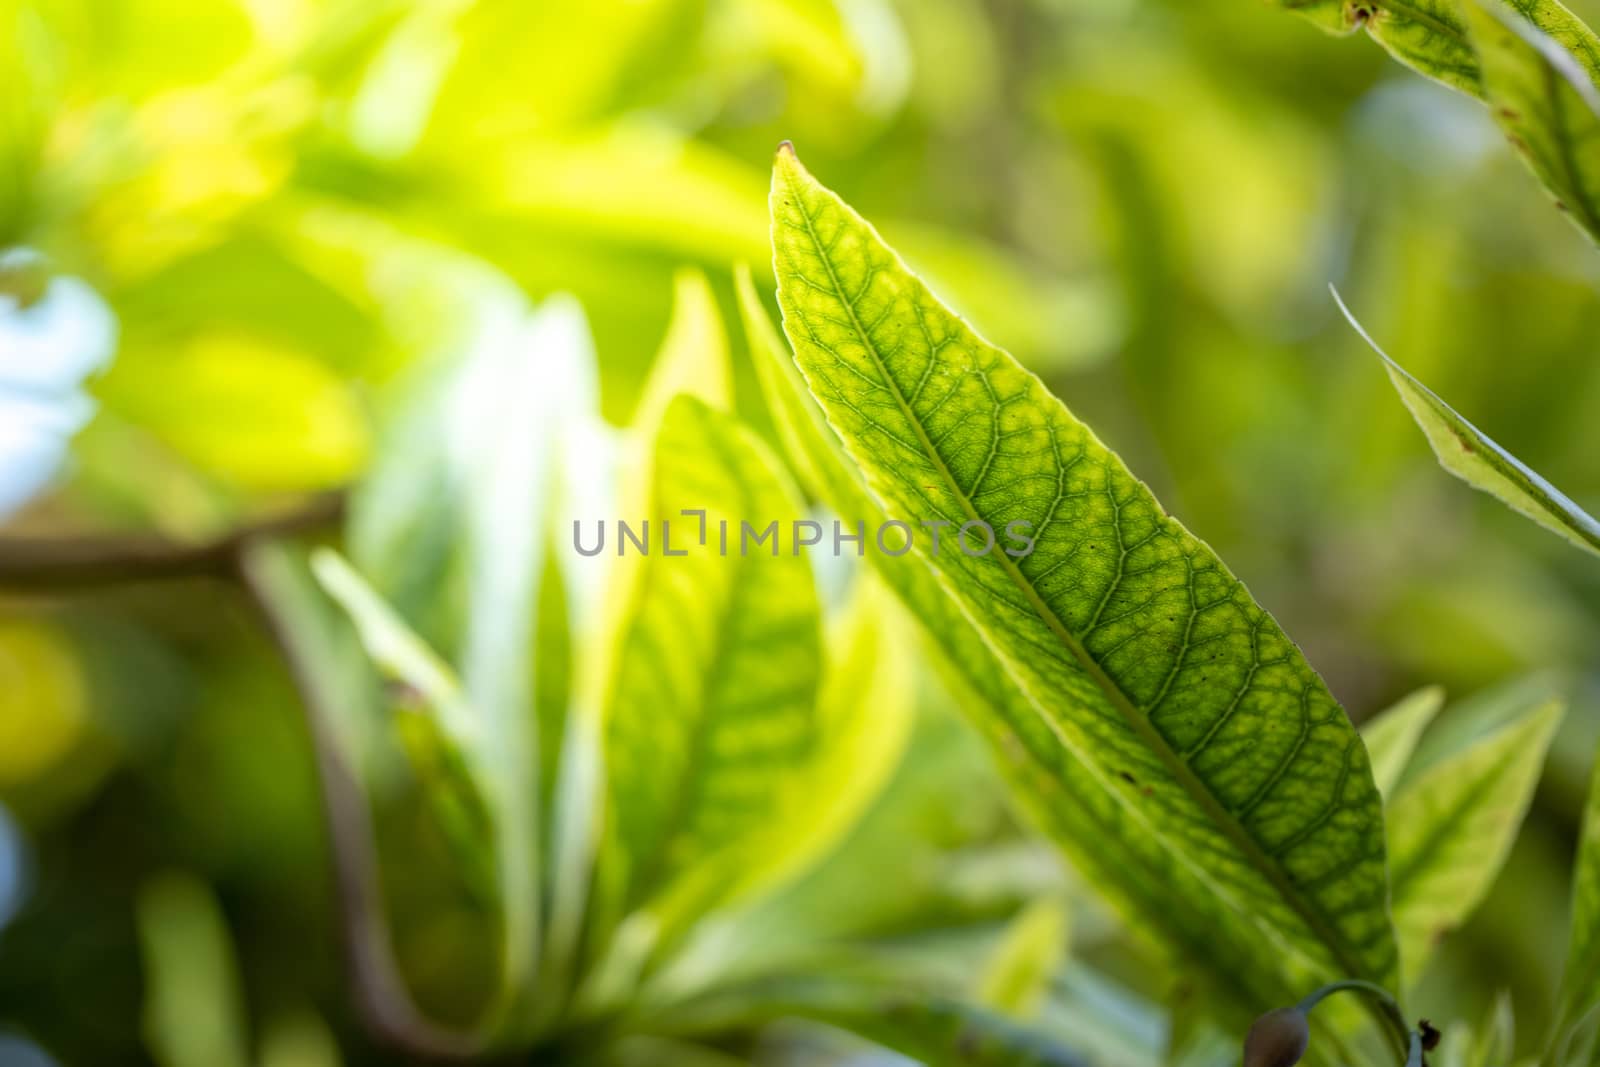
[(1472, 456), (1097, 701), (1391, 736), (1079, 811), (1452, 828), (705, 633), (1546, 104)]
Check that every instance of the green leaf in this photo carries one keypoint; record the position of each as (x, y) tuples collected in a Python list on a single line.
[(1580, 985), (194, 1009), (863, 722), (1433, 37), (1185, 716), (694, 354), (1016, 977), (397, 651), (733, 643), (1391, 736), (1085, 815), (1532, 61), (1472, 456), (1451, 828), (1546, 104)]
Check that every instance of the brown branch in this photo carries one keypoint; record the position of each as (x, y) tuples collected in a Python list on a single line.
[(382, 999), (45, 563)]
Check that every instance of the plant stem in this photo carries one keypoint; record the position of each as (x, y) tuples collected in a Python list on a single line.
[(43, 563), (381, 995), (1400, 1032)]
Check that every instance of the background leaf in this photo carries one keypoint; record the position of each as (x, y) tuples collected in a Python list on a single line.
[(1470, 455), (1392, 735), (1451, 828), (1580, 985), (732, 640), (1547, 104)]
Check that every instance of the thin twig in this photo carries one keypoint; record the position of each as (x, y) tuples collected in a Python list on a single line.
[(381, 996), (43, 563)]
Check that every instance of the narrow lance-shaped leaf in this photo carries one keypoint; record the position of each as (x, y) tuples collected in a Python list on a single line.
[(694, 354), (732, 640), (1580, 985), (1142, 653), (1451, 829), (1016, 976), (1086, 815), (864, 720), (440, 734), (1546, 104), (1391, 736), (1472, 456)]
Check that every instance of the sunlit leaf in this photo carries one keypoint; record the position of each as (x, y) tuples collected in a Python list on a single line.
[(1143, 656), (1082, 813), (864, 712), (693, 359), (1451, 827), (1470, 455), (1392, 735), (1016, 976), (732, 641), (863, 724)]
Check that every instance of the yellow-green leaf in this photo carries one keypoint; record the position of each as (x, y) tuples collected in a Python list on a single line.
[(732, 643), (1392, 735), (1472, 456), (1451, 828), (1546, 104), (1016, 976), (694, 355), (1141, 655), (1085, 815)]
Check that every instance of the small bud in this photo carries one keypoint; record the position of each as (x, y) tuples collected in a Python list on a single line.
[(1277, 1039)]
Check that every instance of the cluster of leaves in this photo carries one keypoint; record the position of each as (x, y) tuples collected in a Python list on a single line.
[(1154, 721), (630, 804)]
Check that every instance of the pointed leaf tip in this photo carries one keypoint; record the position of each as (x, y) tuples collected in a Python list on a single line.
[(786, 148)]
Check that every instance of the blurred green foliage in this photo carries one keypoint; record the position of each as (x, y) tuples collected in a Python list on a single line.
[(297, 209)]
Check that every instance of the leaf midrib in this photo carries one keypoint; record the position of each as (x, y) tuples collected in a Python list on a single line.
[(1141, 725)]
